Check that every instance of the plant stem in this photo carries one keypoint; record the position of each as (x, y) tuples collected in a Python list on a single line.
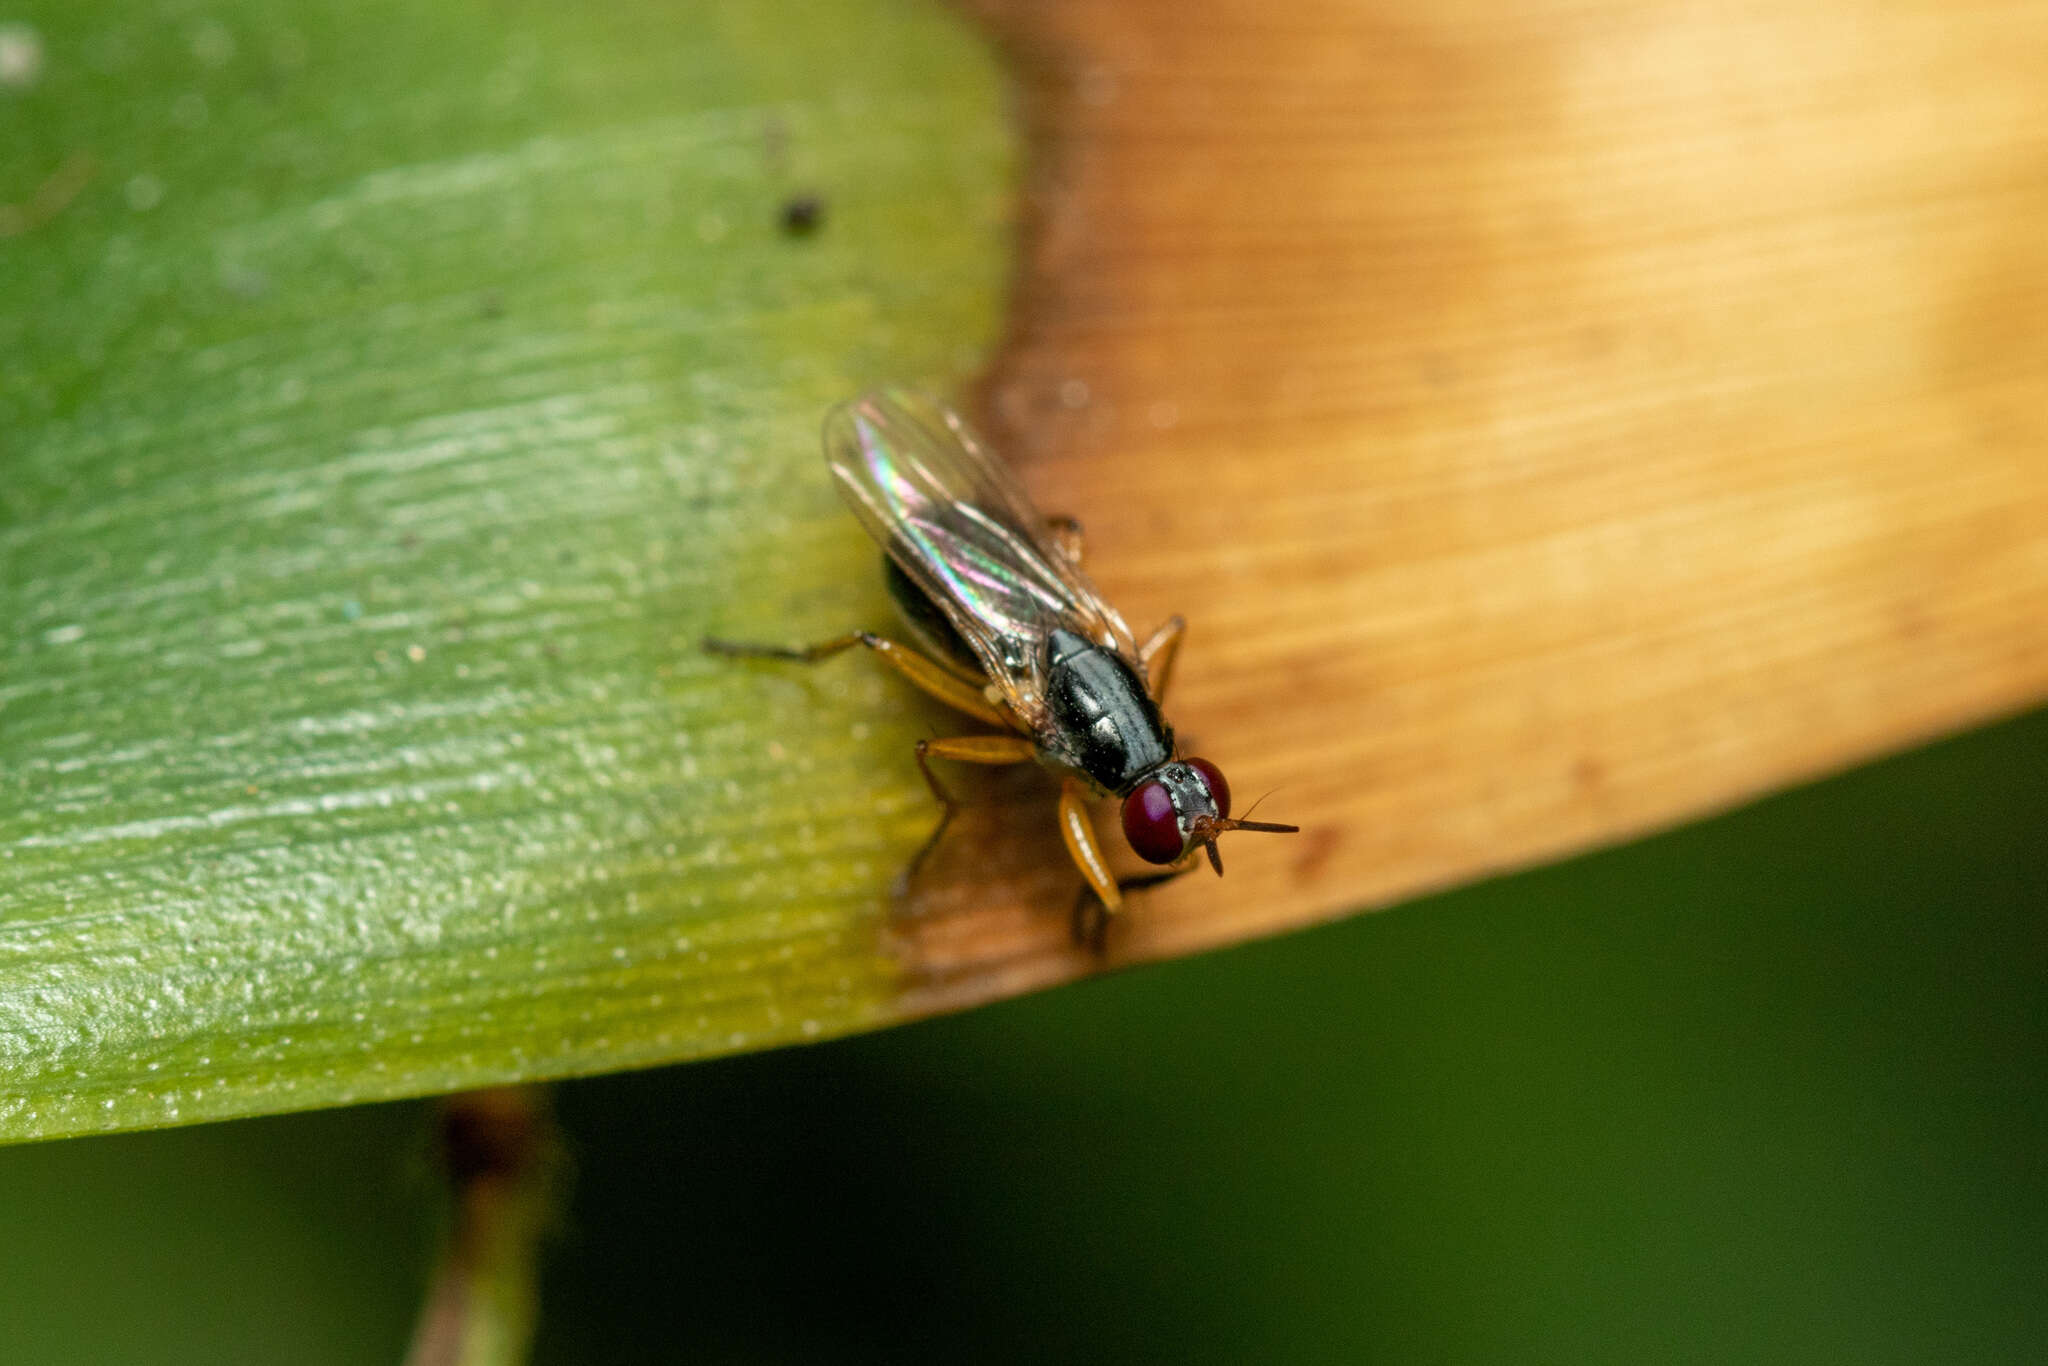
[(497, 1148)]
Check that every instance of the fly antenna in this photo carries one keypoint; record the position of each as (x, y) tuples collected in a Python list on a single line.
[(1208, 828), (1262, 796)]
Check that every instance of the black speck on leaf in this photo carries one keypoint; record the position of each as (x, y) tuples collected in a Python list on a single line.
[(802, 215)]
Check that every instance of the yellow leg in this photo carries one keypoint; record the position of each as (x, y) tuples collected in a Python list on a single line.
[(1160, 651), (1079, 833), (1103, 895), (949, 686), (965, 749)]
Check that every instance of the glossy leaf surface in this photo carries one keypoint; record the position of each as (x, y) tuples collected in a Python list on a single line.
[(394, 399)]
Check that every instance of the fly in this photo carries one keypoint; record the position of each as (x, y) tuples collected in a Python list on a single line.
[(1009, 631)]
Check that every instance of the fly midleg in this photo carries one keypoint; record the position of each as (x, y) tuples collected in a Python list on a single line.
[(964, 749), (930, 676)]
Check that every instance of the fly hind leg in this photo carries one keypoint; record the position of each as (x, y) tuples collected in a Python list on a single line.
[(949, 685)]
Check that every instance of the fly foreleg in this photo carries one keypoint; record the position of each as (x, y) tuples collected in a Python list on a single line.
[(1092, 917), (1102, 891)]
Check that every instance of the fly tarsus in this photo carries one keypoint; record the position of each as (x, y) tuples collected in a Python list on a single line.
[(1091, 919), (800, 654)]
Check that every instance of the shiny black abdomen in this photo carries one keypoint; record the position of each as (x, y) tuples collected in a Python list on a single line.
[(1109, 726), (926, 622)]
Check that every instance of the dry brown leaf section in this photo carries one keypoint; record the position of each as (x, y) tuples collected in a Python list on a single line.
[(1556, 420)]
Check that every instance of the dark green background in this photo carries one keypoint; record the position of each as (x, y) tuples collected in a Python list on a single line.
[(1766, 1089)]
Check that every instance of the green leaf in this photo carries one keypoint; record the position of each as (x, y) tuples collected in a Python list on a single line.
[(393, 394)]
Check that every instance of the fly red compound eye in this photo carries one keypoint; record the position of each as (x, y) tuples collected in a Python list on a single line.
[(1219, 790), (1151, 825)]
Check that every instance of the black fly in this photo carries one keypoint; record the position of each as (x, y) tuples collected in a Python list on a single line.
[(1014, 635)]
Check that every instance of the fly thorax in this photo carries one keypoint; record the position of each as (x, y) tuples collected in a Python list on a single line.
[(1105, 722)]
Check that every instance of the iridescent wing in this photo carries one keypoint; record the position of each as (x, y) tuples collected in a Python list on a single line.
[(962, 527)]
